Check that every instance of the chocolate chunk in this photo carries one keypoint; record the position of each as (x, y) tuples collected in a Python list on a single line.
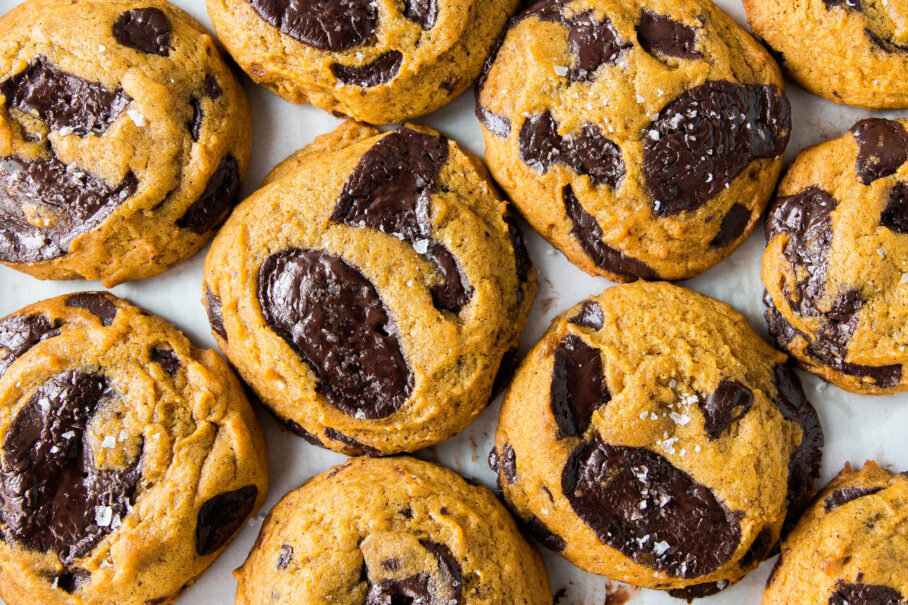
[(19, 333), (729, 402), (733, 225), (661, 35), (213, 310), (497, 124), (884, 41), (589, 233), (585, 152), (508, 463), (333, 317), (391, 564), (220, 195), (804, 465), (212, 88), (72, 579), (63, 100), (779, 328), (53, 496), (590, 316), (884, 377), (704, 139), (145, 29), (895, 216), (380, 71), (422, 12), (164, 356), (221, 517), (853, 4), (99, 304), (865, 594), (414, 589), (63, 199), (494, 460), (846, 495), (578, 386), (698, 591), (759, 550), (522, 260), (451, 580), (882, 148), (505, 372), (295, 428), (358, 447), (332, 25), (682, 530), (390, 190), (195, 126), (542, 534), (284, 556)]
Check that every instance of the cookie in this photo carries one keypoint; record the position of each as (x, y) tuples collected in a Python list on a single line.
[(123, 138), (372, 290), (652, 437), (850, 547), (642, 139), (848, 51), (128, 457), (379, 62), (408, 532), (836, 262)]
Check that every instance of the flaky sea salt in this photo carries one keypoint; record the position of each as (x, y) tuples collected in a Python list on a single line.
[(103, 516), (137, 118), (561, 70), (108, 441)]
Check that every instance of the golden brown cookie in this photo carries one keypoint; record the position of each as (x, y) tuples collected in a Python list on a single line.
[(395, 530), (652, 437), (376, 61), (123, 138), (850, 547), (372, 290), (129, 458), (642, 139), (836, 263), (849, 51)]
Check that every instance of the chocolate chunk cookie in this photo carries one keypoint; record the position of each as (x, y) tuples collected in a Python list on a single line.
[(380, 62), (123, 138), (850, 547), (407, 531), (836, 262), (652, 437), (128, 457), (849, 51), (641, 139), (370, 290)]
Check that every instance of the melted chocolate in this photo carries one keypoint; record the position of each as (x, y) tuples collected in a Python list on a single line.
[(390, 190), (865, 594), (734, 223), (220, 195), (804, 466), (422, 12), (446, 588), (846, 495), (213, 310), (195, 126), (19, 333), (585, 152), (332, 25), (505, 372), (578, 386), (759, 550), (661, 35), (145, 29), (284, 556), (704, 139), (53, 496), (63, 100), (882, 148), (590, 316), (698, 591), (652, 512), (522, 261), (508, 463), (358, 448), (72, 579), (164, 356), (884, 377), (380, 71), (333, 317), (99, 304), (542, 534), (413, 590), (497, 124), (589, 234), (729, 402), (895, 215), (65, 200), (221, 517)]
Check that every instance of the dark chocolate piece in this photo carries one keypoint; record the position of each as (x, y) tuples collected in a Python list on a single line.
[(846, 495), (54, 498), (505, 372), (422, 12), (213, 310), (734, 223), (589, 233), (578, 386), (222, 516), (99, 304), (19, 333), (195, 126), (220, 195), (759, 550), (729, 402), (497, 124), (508, 462), (865, 594), (700, 142), (521, 256), (284, 556), (884, 377), (895, 215), (63, 100), (698, 591), (360, 448), (590, 316), (332, 25), (164, 356), (640, 504), (212, 88), (542, 534), (72, 579), (380, 71), (451, 576), (661, 35), (146, 29), (882, 148), (68, 200)]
